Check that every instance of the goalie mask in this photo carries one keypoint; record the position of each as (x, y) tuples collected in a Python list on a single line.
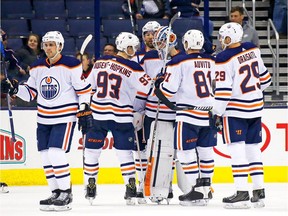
[(160, 40), (125, 40), (232, 30), (55, 36), (193, 39)]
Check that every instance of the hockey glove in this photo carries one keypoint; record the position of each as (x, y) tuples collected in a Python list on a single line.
[(85, 118), (215, 122), (137, 121), (10, 87), (158, 81)]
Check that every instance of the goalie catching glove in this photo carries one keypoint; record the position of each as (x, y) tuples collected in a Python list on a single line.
[(215, 121), (85, 118), (10, 87)]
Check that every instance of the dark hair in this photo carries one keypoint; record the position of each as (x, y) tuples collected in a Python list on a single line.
[(37, 38), (237, 8), (111, 44)]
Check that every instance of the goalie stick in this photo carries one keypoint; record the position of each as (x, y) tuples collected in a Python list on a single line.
[(151, 159), (171, 106)]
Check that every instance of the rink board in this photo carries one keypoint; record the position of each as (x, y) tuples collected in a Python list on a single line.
[(20, 162)]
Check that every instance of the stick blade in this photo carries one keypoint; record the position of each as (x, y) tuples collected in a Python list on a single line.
[(85, 43)]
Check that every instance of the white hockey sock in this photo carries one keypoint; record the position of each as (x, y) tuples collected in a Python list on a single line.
[(91, 164), (206, 161), (256, 171), (188, 160), (127, 164), (49, 171), (61, 167), (240, 166)]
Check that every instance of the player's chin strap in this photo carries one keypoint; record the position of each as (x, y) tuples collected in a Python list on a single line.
[(57, 53)]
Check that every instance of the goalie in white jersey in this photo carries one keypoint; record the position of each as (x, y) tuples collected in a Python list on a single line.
[(117, 82), (188, 80), (152, 63), (241, 77), (57, 85)]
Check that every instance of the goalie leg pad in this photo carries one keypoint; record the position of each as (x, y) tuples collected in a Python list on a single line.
[(160, 161)]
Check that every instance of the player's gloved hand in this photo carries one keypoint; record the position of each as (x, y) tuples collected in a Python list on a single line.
[(137, 121), (10, 87), (215, 121), (85, 118), (158, 81)]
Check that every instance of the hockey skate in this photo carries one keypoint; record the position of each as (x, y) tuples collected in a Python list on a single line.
[(90, 190), (169, 197), (141, 199), (131, 192), (208, 190), (140, 195), (47, 204), (63, 201), (197, 196), (258, 198), (4, 187), (240, 200)]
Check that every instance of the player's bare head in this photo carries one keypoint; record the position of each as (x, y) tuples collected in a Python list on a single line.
[(237, 14), (128, 43), (160, 40), (230, 33), (148, 32), (193, 40)]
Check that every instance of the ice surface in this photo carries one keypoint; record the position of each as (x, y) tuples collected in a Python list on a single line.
[(24, 201)]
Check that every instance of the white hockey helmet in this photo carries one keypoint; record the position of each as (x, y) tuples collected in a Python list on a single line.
[(232, 30), (151, 26), (55, 36), (194, 39), (126, 39)]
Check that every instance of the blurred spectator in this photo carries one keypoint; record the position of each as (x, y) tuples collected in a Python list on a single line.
[(12, 64), (109, 49), (147, 9), (280, 17), (249, 32), (86, 64), (190, 8), (29, 53)]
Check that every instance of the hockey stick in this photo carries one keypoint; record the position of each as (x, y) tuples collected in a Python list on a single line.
[(171, 106), (82, 49), (139, 155), (131, 17), (85, 43), (13, 139), (148, 175)]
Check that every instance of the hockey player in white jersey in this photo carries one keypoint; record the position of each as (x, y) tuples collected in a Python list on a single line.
[(188, 79), (152, 63), (241, 77), (56, 83), (117, 81), (148, 31)]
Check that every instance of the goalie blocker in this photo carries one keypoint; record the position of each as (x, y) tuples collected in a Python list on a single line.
[(160, 161)]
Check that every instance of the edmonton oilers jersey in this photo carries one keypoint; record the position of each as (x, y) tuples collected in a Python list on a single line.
[(58, 88), (241, 76), (117, 82)]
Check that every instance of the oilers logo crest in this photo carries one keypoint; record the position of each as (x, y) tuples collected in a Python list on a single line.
[(49, 88)]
